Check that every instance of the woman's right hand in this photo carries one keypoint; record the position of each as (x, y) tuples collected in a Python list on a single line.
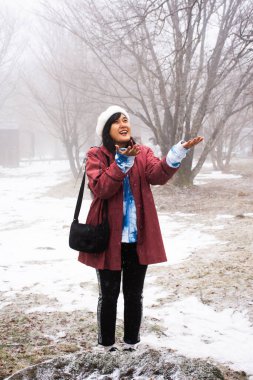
[(132, 150)]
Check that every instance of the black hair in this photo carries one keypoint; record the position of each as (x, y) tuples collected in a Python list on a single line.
[(106, 138)]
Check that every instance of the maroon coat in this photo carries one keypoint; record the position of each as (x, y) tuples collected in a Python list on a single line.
[(107, 183)]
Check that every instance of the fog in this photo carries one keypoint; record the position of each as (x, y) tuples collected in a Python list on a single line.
[(54, 68)]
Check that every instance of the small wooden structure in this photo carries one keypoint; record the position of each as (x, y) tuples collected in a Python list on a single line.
[(9, 147)]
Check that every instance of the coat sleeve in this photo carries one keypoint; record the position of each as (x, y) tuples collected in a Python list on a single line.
[(104, 181), (157, 172)]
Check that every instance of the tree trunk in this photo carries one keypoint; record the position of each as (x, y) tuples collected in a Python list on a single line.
[(214, 159), (184, 176), (71, 160), (220, 153)]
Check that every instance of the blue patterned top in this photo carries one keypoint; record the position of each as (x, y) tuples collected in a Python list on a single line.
[(129, 230)]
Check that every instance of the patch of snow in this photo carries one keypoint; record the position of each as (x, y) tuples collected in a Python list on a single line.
[(57, 337), (115, 375), (199, 182), (185, 214), (249, 214), (218, 175), (4, 304), (198, 331), (204, 178), (182, 240), (224, 216), (219, 227)]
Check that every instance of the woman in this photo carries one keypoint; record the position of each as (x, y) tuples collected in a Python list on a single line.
[(121, 172)]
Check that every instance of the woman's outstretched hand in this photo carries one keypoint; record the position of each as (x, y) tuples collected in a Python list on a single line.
[(190, 143), (132, 150)]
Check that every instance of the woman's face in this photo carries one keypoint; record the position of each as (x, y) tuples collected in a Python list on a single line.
[(120, 131)]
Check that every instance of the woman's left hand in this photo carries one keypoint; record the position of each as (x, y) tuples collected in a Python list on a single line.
[(132, 150), (190, 143)]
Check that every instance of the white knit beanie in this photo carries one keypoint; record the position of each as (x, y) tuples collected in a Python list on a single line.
[(104, 116)]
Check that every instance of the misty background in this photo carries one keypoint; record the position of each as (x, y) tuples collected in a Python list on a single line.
[(180, 68)]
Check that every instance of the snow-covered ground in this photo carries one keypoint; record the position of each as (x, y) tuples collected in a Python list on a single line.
[(203, 178), (35, 258)]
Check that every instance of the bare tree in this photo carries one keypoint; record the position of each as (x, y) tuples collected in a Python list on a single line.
[(8, 57), (169, 63), (66, 110), (237, 131)]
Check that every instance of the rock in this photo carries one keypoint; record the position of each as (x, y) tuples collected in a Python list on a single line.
[(143, 364)]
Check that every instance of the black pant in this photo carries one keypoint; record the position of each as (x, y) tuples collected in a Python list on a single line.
[(109, 288)]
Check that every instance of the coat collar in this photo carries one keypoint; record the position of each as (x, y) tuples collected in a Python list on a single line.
[(106, 152)]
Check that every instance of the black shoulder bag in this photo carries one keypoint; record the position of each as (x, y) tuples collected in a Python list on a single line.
[(86, 237)]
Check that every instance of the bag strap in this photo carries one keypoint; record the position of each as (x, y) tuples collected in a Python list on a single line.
[(80, 195)]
